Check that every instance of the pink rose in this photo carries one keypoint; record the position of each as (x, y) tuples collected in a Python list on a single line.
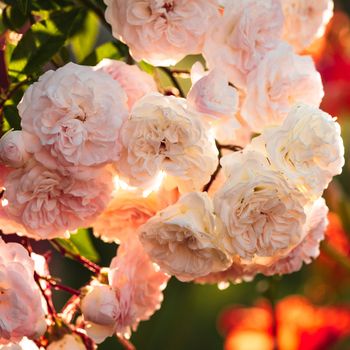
[(213, 96), (73, 117), (282, 79), (21, 311), (128, 210), (161, 32), (49, 204), (242, 36), (134, 293), (131, 78), (305, 21), (12, 149)]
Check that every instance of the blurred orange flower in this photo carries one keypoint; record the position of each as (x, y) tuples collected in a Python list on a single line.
[(295, 324)]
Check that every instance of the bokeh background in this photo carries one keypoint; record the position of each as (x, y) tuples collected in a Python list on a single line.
[(308, 310)]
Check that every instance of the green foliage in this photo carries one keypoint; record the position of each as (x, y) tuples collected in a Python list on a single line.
[(79, 243), (107, 50), (82, 241), (43, 40)]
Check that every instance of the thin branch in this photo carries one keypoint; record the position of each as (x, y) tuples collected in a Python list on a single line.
[(127, 345), (170, 74), (81, 259), (47, 296), (58, 286), (215, 174)]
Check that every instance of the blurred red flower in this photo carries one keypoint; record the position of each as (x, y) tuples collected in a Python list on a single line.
[(295, 324)]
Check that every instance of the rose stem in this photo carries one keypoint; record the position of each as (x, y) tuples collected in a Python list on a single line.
[(81, 259)]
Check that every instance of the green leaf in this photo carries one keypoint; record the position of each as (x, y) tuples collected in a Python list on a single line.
[(82, 240), (146, 67), (66, 244), (106, 50), (42, 41), (79, 243), (23, 6), (13, 18), (84, 41), (12, 117)]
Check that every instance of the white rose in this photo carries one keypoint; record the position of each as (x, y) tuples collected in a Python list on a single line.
[(309, 248), (162, 134), (12, 149), (182, 238), (307, 147), (282, 79), (305, 21), (100, 305), (68, 342), (261, 212)]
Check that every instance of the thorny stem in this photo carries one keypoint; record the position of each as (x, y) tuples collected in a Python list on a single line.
[(215, 174), (220, 147), (127, 345), (81, 259), (47, 295), (58, 286), (70, 308), (170, 74)]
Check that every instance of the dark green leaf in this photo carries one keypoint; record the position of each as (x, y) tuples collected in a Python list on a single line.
[(107, 50), (12, 117), (23, 6), (84, 40), (13, 18), (42, 41)]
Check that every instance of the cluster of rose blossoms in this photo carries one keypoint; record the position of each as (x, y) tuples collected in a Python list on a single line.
[(180, 183)]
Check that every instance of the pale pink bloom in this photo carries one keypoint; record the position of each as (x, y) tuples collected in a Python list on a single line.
[(128, 210), (134, 293), (182, 239), (242, 36), (212, 96), (161, 32), (257, 208), (307, 148), (24, 344), (309, 248), (48, 204), (68, 342), (12, 149), (72, 117), (21, 311), (235, 274), (305, 21), (135, 82), (163, 134), (282, 79)]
